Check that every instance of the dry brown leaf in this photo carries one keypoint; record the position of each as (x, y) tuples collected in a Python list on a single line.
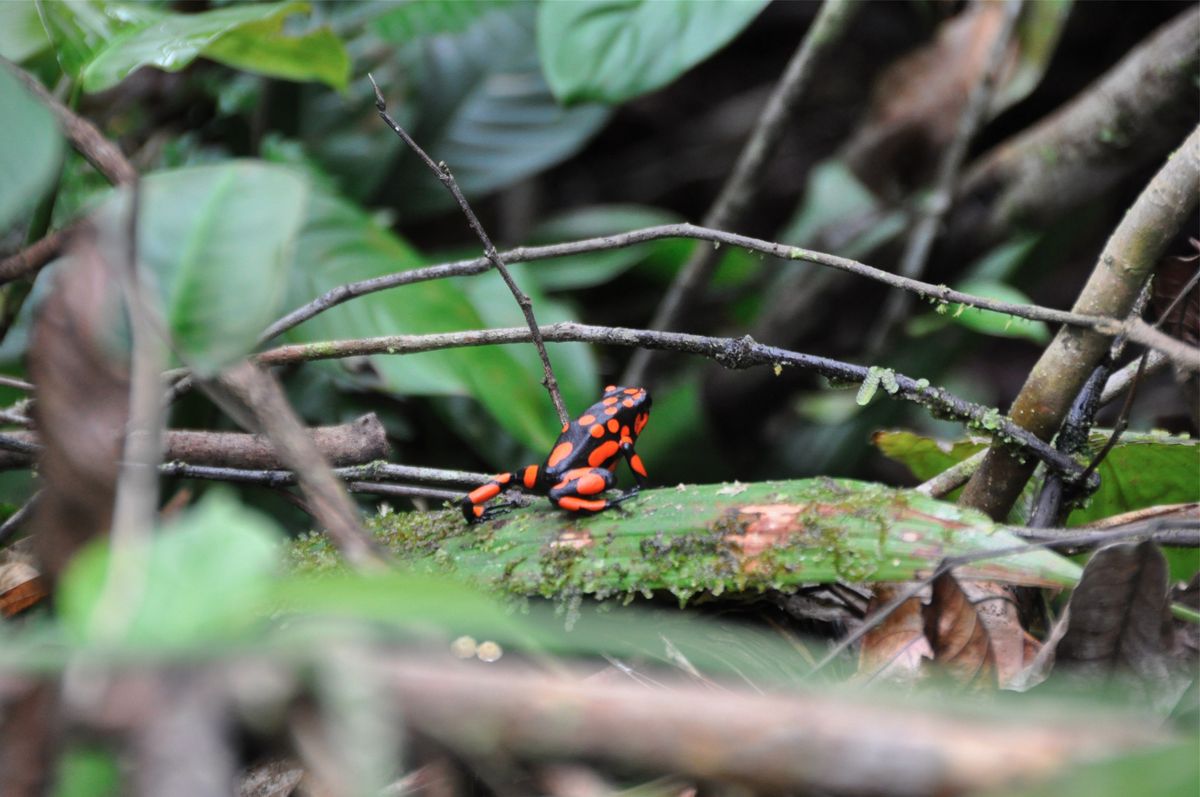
[(20, 588), (917, 103), (961, 645), (896, 649), (82, 406)]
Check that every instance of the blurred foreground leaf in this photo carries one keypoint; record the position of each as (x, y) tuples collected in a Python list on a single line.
[(204, 577), (30, 149), (219, 242)]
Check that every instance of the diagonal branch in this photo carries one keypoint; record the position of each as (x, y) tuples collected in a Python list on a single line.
[(1167, 202), (489, 250), (935, 206), (729, 208), (729, 352)]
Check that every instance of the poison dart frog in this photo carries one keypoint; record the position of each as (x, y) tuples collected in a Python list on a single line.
[(581, 464)]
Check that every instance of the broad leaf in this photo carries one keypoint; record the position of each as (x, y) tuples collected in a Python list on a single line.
[(21, 33), (204, 577), (218, 241), (1141, 470), (407, 22), (613, 50), (715, 538), (30, 149), (341, 244), (482, 106)]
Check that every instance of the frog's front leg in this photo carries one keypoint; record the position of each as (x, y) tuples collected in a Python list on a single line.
[(473, 503), (579, 490)]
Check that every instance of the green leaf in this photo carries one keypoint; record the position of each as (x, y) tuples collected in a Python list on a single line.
[(87, 772), (245, 36), (263, 48), (340, 243), (407, 22), (204, 577), (712, 538), (1172, 770), (30, 149), (79, 29), (219, 241), (21, 32), (613, 50), (998, 325), (1142, 470), (590, 269), (482, 106), (832, 195), (1038, 30)]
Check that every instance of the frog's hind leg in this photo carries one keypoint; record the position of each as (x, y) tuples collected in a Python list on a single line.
[(473, 503), (580, 490)]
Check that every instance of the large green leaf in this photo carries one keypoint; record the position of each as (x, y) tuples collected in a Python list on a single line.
[(406, 22), (1142, 470), (481, 105), (715, 538), (101, 43), (218, 241), (612, 50), (21, 33), (340, 243), (203, 577), (30, 149)]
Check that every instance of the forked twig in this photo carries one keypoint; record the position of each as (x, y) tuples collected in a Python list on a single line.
[(489, 250)]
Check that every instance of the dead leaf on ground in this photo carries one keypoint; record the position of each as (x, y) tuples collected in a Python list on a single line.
[(961, 645), (1121, 624), (20, 588), (896, 649), (917, 102)]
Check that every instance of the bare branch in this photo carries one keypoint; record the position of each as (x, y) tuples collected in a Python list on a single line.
[(729, 352), (489, 250), (34, 257), (460, 268), (920, 242)]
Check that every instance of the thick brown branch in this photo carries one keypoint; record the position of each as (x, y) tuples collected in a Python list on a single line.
[(1123, 123), (354, 443), (1115, 283)]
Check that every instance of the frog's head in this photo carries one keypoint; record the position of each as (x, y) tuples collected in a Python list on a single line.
[(633, 405)]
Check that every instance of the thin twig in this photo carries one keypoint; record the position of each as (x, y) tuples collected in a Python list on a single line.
[(952, 477), (489, 250), (34, 257), (933, 210), (530, 254), (83, 135), (17, 519), (1121, 380), (745, 181), (258, 392), (730, 352), (371, 472), (18, 384)]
